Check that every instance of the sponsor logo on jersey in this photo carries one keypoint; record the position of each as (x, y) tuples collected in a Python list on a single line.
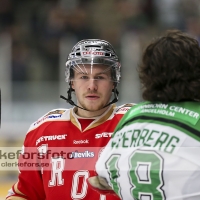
[(47, 117), (55, 112), (76, 154), (103, 135), (81, 142), (125, 107), (40, 120), (51, 137), (50, 115)]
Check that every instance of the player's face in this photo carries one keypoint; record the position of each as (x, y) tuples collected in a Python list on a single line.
[(93, 88)]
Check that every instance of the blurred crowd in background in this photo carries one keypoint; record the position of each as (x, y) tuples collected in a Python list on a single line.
[(37, 26), (36, 29)]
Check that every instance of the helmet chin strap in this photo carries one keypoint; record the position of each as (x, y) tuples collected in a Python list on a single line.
[(70, 101)]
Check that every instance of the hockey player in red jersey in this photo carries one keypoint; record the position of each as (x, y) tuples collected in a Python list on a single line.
[(61, 148)]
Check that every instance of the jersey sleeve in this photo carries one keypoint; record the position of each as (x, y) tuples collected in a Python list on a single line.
[(30, 178), (14, 194)]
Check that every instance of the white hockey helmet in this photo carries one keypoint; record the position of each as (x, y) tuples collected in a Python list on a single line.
[(93, 51)]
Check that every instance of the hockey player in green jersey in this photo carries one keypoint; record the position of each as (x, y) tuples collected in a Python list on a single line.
[(154, 153)]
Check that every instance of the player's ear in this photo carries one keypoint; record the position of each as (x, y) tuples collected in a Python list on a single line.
[(113, 85), (72, 84)]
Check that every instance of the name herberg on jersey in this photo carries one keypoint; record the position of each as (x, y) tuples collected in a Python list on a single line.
[(104, 134)]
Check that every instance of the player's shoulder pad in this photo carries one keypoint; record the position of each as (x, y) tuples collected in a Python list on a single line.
[(53, 115), (124, 108)]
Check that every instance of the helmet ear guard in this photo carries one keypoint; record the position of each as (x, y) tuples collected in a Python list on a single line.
[(92, 51)]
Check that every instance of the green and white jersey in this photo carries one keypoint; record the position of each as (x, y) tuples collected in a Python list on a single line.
[(154, 153)]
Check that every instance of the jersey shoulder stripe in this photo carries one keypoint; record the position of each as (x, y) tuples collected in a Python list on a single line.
[(180, 115), (124, 108), (59, 114), (168, 121)]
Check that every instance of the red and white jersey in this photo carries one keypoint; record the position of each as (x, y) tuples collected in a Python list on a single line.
[(58, 155)]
